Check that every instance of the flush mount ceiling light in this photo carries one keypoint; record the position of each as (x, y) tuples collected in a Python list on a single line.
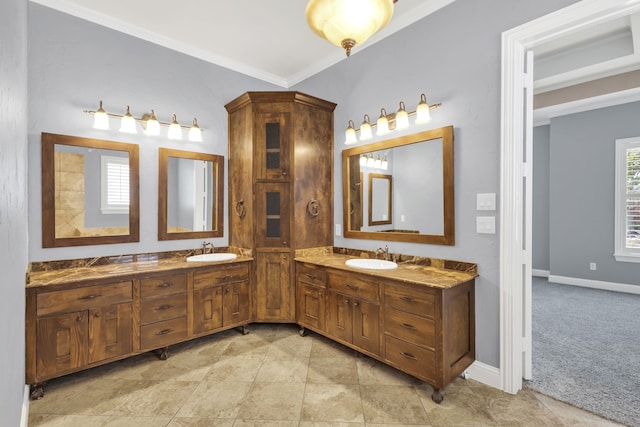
[(348, 23)]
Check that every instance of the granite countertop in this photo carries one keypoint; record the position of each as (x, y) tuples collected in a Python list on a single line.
[(406, 272), (115, 271)]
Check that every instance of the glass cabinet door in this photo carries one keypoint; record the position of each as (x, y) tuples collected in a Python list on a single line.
[(272, 208), (273, 140)]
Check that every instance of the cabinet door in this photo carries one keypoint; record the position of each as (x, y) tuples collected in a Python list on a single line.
[(272, 215), (273, 297), (110, 331), (235, 303), (272, 145), (340, 316), (62, 343), (366, 325), (310, 306), (207, 309)]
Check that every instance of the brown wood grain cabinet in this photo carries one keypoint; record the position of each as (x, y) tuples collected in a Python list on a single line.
[(311, 288), (280, 189), (78, 324)]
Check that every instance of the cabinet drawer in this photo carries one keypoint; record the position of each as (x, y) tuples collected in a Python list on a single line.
[(163, 285), (311, 276), (355, 286), (410, 299), (220, 275), (83, 298), (410, 358), (163, 308), (161, 334), (410, 327)]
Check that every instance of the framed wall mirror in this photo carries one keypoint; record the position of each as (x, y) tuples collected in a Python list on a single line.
[(90, 191), (190, 195), (410, 192)]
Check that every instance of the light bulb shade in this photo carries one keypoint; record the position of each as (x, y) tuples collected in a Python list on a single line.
[(377, 163), (128, 123), (350, 134), (363, 160), (370, 161), (385, 163), (101, 119), (402, 117), (365, 129), (383, 123), (348, 22), (152, 125), (195, 133), (423, 113), (175, 131)]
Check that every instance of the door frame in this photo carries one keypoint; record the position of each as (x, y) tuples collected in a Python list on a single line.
[(513, 258)]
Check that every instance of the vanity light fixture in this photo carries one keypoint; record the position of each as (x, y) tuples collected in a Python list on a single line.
[(389, 122), (377, 163), (385, 163), (347, 23), (149, 121), (363, 160), (370, 161)]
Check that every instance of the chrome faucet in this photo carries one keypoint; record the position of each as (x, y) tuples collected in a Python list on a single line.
[(384, 251), (209, 245)]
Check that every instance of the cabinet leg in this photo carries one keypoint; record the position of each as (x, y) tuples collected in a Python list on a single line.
[(162, 353), (37, 391), (437, 396), (244, 329), (302, 332)]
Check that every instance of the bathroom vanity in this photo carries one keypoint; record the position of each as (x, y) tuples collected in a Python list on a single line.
[(416, 318)]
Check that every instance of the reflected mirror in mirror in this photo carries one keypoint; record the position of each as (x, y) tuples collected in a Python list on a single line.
[(89, 191), (190, 195), (405, 184)]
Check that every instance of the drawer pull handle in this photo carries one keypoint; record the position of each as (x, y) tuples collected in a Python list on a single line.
[(311, 276), (165, 285), (354, 287), (408, 355), (165, 307), (79, 319), (165, 331), (225, 277), (408, 299), (320, 294), (226, 291), (356, 303), (346, 301), (408, 326), (89, 297)]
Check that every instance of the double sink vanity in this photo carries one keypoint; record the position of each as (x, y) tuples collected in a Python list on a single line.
[(415, 314)]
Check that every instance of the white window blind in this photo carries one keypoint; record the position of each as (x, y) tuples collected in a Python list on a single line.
[(627, 200), (115, 185)]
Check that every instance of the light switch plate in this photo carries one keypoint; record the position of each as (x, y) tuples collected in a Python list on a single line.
[(338, 229), (486, 224), (486, 201)]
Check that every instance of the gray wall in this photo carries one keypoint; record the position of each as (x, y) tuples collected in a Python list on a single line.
[(582, 193), (453, 56), (73, 64), (540, 231), (13, 205)]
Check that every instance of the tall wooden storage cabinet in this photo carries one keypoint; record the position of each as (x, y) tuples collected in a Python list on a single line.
[(280, 189)]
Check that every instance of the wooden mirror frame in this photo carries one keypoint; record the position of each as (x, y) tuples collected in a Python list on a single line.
[(217, 218), (448, 236), (49, 239), (389, 203)]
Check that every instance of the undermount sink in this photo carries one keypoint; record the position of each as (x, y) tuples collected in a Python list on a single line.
[(371, 264), (211, 257)]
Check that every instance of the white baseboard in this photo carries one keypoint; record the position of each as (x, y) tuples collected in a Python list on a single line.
[(540, 273), (596, 284), (486, 374), (24, 417)]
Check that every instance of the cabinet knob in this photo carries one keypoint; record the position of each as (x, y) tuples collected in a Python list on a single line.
[(79, 319), (284, 243), (320, 294), (284, 173), (356, 303), (226, 291), (346, 301), (97, 314)]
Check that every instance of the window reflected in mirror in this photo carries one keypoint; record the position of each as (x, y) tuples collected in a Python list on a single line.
[(89, 191), (190, 195)]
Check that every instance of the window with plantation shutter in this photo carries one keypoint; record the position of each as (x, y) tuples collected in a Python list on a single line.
[(627, 221), (115, 185)]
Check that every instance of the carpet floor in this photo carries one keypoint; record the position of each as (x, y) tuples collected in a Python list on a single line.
[(586, 349)]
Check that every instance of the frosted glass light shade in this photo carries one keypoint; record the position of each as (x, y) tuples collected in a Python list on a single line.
[(347, 23), (365, 129), (195, 133), (370, 161), (385, 163), (175, 131), (423, 113), (350, 134), (152, 125), (363, 160), (383, 123), (101, 119), (402, 118), (128, 123)]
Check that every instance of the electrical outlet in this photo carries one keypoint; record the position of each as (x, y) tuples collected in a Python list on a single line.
[(338, 230), (592, 266)]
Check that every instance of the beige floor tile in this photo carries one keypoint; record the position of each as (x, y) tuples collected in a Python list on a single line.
[(252, 344), (235, 368), (371, 371), (215, 400), (324, 347), (460, 407), (265, 423), (46, 420), (292, 345), (200, 422), (273, 401), (392, 404), (523, 409), (153, 398), (572, 416), (330, 424), (325, 370), (283, 369), (119, 421), (332, 402)]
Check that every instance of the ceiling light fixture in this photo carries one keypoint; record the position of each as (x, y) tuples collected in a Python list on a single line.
[(348, 23), (149, 121)]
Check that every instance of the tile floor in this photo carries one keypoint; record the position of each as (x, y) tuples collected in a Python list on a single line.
[(274, 377)]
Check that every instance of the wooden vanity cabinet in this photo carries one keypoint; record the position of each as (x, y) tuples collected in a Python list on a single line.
[(280, 189), (311, 288)]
